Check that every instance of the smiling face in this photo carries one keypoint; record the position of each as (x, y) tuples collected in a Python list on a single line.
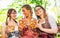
[(39, 11), (13, 14), (26, 12)]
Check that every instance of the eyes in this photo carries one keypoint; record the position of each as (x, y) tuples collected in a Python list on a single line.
[(14, 13), (37, 9)]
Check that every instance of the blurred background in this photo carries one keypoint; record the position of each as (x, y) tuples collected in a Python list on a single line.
[(52, 7)]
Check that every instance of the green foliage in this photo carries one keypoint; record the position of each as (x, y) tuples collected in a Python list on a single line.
[(37, 2), (58, 16), (17, 4)]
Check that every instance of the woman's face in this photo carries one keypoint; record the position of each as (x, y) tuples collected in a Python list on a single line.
[(13, 14), (25, 12), (39, 11)]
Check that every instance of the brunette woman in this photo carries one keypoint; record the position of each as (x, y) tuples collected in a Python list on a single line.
[(10, 28), (47, 26)]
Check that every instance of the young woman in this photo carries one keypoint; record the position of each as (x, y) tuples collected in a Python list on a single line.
[(27, 27), (46, 25), (10, 28)]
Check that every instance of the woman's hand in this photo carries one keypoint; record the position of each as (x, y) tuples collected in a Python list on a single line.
[(20, 28), (39, 26), (10, 29), (51, 31), (7, 30)]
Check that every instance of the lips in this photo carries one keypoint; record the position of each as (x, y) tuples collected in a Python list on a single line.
[(15, 16), (39, 13)]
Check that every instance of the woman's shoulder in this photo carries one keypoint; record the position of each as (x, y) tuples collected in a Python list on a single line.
[(34, 19), (52, 22)]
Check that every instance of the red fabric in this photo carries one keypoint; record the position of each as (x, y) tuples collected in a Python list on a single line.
[(29, 34)]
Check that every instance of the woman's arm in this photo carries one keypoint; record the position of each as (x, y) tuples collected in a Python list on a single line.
[(3, 33), (51, 31), (53, 25)]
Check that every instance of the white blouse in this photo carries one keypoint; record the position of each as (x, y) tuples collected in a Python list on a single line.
[(52, 22)]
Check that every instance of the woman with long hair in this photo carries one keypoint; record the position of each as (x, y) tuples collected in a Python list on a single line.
[(10, 28), (27, 25), (48, 27)]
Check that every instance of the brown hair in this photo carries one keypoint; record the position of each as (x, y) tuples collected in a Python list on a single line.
[(45, 15), (28, 7), (8, 14)]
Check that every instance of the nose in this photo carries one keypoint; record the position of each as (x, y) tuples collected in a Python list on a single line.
[(15, 15), (37, 12)]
